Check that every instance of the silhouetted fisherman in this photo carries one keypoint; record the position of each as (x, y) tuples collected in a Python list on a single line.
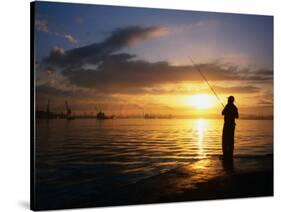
[(230, 113)]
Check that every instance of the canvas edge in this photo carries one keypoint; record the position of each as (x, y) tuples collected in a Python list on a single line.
[(32, 130)]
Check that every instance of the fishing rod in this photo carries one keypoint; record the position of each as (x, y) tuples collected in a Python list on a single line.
[(206, 80)]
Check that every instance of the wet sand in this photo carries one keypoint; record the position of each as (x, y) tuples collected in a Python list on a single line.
[(203, 179)]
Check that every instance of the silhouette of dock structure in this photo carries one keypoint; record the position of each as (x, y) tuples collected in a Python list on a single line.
[(68, 114)]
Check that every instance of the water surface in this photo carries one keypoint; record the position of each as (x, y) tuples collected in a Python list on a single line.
[(88, 156)]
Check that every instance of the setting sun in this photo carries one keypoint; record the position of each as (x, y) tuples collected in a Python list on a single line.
[(201, 101)]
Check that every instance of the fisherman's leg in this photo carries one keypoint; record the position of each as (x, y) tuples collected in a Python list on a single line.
[(227, 141), (231, 144)]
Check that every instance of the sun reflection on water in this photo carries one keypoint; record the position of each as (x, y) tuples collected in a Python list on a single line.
[(201, 127)]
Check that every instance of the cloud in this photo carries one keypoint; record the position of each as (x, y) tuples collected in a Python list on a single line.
[(200, 25), (177, 90), (120, 73), (97, 52), (47, 89), (131, 35), (41, 25), (265, 102), (265, 72), (237, 89), (57, 52), (70, 38), (101, 67)]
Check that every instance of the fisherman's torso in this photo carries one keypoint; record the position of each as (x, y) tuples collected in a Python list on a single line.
[(230, 112)]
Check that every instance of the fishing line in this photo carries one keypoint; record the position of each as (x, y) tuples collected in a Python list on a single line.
[(206, 80)]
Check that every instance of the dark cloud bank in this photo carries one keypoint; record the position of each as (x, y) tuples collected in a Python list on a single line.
[(105, 69)]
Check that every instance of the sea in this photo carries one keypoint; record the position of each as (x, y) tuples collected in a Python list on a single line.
[(86, 157)]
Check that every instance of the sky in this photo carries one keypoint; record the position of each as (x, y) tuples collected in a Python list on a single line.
[(130, 61)]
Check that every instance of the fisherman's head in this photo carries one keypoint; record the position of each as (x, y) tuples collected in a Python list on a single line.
[(230, 99)]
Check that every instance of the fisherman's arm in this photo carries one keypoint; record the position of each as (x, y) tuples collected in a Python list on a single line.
[(223, 111)]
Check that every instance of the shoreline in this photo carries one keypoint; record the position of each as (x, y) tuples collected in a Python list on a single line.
[(205, 179), (210, 178)]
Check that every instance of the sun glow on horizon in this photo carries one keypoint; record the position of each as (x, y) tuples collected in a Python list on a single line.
[(200, 101)]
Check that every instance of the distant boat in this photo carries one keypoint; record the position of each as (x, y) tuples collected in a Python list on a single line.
[(101, 116)]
